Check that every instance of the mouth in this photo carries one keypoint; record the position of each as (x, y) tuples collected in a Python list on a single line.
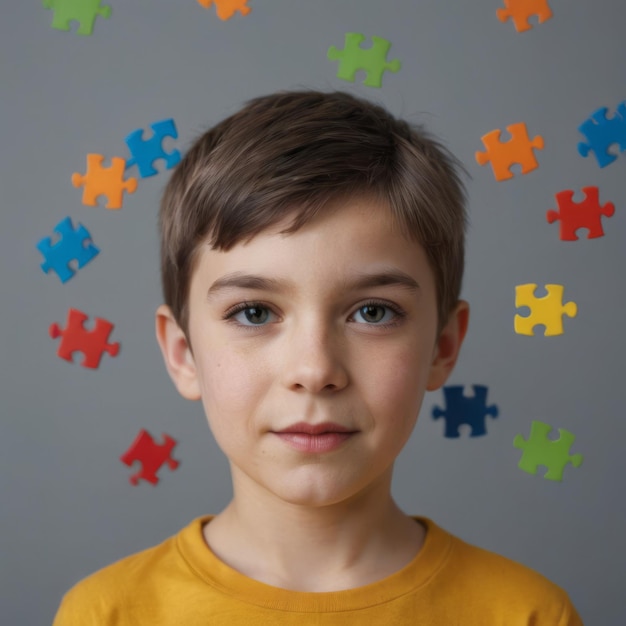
[(316, 444), (325, 428), (315, 438)]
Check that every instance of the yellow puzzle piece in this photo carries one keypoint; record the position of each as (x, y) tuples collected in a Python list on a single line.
[(547, 311)]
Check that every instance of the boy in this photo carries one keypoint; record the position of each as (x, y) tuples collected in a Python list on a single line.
[(312, 256)]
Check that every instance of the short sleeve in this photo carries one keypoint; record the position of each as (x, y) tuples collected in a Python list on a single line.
[(569, 617)]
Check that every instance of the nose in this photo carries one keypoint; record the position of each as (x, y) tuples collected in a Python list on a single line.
[(315, 359)]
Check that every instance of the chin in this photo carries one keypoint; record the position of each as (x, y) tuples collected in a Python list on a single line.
[(309, 491)]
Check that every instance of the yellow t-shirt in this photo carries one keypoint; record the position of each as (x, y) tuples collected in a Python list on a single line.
[(182, 583)]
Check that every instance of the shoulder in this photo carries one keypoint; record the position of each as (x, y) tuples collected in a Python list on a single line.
[(507, 586), (509, 574), (97, 598)]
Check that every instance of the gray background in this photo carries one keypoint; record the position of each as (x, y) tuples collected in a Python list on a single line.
[(67, 506)]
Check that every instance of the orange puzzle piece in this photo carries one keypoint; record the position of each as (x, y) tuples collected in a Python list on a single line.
[(227, 8), (520, 10), (503, 154), (107, 181)]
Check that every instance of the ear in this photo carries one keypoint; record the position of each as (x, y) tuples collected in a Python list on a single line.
[(448, 346), (177, 354)]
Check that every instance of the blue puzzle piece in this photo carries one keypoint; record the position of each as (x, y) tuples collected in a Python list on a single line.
[(71, 247), (145, 152), (462, 409), (602, 132)]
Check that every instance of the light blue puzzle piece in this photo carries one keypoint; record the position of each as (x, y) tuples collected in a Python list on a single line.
[(602, 132), (71, 247), (145, 151)]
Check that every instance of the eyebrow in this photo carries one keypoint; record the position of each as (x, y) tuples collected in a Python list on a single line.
[(357, 282)]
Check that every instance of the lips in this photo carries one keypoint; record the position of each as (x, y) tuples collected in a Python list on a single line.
[(316, 429), (315, 438)]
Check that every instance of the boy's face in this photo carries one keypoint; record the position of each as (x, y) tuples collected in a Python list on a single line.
[(317, 350)]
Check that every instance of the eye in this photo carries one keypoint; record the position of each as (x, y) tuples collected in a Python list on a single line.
[(379, 314), (252, 315), (248, 314)]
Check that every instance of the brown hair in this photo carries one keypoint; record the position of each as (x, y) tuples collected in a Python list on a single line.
[(292, 153)]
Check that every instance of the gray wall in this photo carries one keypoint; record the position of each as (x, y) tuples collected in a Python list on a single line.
[(67, 506)]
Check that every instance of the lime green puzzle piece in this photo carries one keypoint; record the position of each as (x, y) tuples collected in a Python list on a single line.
[(539, 450), (547, 311), (82, 11), (354, 58)]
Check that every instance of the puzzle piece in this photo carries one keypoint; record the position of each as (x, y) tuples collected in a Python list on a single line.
[(107, 181), (373, 60), (519, 149), (92, 343), (520, 10), (602, 132), (586, 214), (144, 152), (461, 409), (548, 310), (151, 455), (539, 450), (83, 11), (227, 8), (71, 247)]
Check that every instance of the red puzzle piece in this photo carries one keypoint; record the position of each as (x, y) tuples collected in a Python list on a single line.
[(503, 154), (151, 455), (92, 343), (586, 214)]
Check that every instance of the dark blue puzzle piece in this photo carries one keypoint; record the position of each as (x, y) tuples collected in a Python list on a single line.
[(602, 132), (71, 247), (145, 152), (462, 409)]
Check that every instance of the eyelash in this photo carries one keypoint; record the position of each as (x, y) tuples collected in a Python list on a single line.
[(230, 313)]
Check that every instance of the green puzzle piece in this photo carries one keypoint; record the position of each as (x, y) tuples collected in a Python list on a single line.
[(354, 58), (539, 450), (82, 11)]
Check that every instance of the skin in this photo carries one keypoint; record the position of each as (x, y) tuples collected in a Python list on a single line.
[(324, 521)]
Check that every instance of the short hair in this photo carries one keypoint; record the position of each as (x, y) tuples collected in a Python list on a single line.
[(295, 152)]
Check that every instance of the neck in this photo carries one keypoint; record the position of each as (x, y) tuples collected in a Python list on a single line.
[(314, 548)]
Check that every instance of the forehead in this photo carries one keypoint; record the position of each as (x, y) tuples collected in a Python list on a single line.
[(347, 241)]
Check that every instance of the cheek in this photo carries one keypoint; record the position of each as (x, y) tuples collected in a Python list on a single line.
[(400, 383), (231, 383)]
